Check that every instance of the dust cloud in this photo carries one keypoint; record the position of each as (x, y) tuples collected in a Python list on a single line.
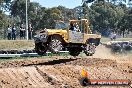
[(106, 53)]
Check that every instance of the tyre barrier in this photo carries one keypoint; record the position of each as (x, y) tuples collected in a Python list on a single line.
[(116, 47), (120, 46), (16, 51)]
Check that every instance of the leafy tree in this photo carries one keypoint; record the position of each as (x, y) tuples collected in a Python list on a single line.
[(126, 22), (87, 1), (5, 4), (4, 19), (35, 13), (85, 9), (105, 16), (49, 18), (18, 8), (66, 13)]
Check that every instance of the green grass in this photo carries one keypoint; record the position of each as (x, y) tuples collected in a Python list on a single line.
[(118, 39), (16, 44), (24, 44)]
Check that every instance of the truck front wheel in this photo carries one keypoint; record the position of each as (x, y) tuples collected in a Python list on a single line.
[(40, 48), (55, 44)]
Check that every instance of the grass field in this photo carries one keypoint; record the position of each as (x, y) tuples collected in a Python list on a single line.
[(16, 44), (118, 39), (24, 44)]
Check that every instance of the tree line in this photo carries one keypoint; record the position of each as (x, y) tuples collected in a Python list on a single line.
[(104, 16)]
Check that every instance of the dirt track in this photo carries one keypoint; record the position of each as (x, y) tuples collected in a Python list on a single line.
[(65, 73)]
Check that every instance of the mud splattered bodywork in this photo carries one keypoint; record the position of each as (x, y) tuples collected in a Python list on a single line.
[(75, 41)]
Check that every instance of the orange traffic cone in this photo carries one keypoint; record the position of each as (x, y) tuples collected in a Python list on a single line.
[(84, 73)]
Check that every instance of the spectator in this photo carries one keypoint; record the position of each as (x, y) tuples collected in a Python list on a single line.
[(113, 36), (22, 32), (73, 27), (13, 32), (9, 32), (30, 30), (77, 28)]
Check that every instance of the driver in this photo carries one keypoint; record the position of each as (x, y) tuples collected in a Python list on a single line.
[(74, 27), (77, 28)]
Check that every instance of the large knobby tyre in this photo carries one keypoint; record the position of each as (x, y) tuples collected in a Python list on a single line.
[(89, 49), (40, 48), (127, 47), (116, 48), (74, 51), (55, 45)]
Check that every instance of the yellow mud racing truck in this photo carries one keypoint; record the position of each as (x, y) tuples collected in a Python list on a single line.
[(74, 36)]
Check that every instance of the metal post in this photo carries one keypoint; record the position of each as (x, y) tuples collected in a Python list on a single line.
[(83, 1), (26, 22), (81, 20)]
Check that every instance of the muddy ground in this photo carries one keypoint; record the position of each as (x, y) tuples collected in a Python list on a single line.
[(59, 72)]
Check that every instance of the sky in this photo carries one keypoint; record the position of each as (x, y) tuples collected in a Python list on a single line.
[(53, 3)]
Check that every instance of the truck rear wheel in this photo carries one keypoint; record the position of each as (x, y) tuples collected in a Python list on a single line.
[(55, 44), (40, 49), (89, 49)]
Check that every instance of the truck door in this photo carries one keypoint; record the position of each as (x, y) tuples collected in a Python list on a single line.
[(75, 37)]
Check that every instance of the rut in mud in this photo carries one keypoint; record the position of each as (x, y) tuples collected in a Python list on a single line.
[(59, 72), (64, 75), (54, 62)]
